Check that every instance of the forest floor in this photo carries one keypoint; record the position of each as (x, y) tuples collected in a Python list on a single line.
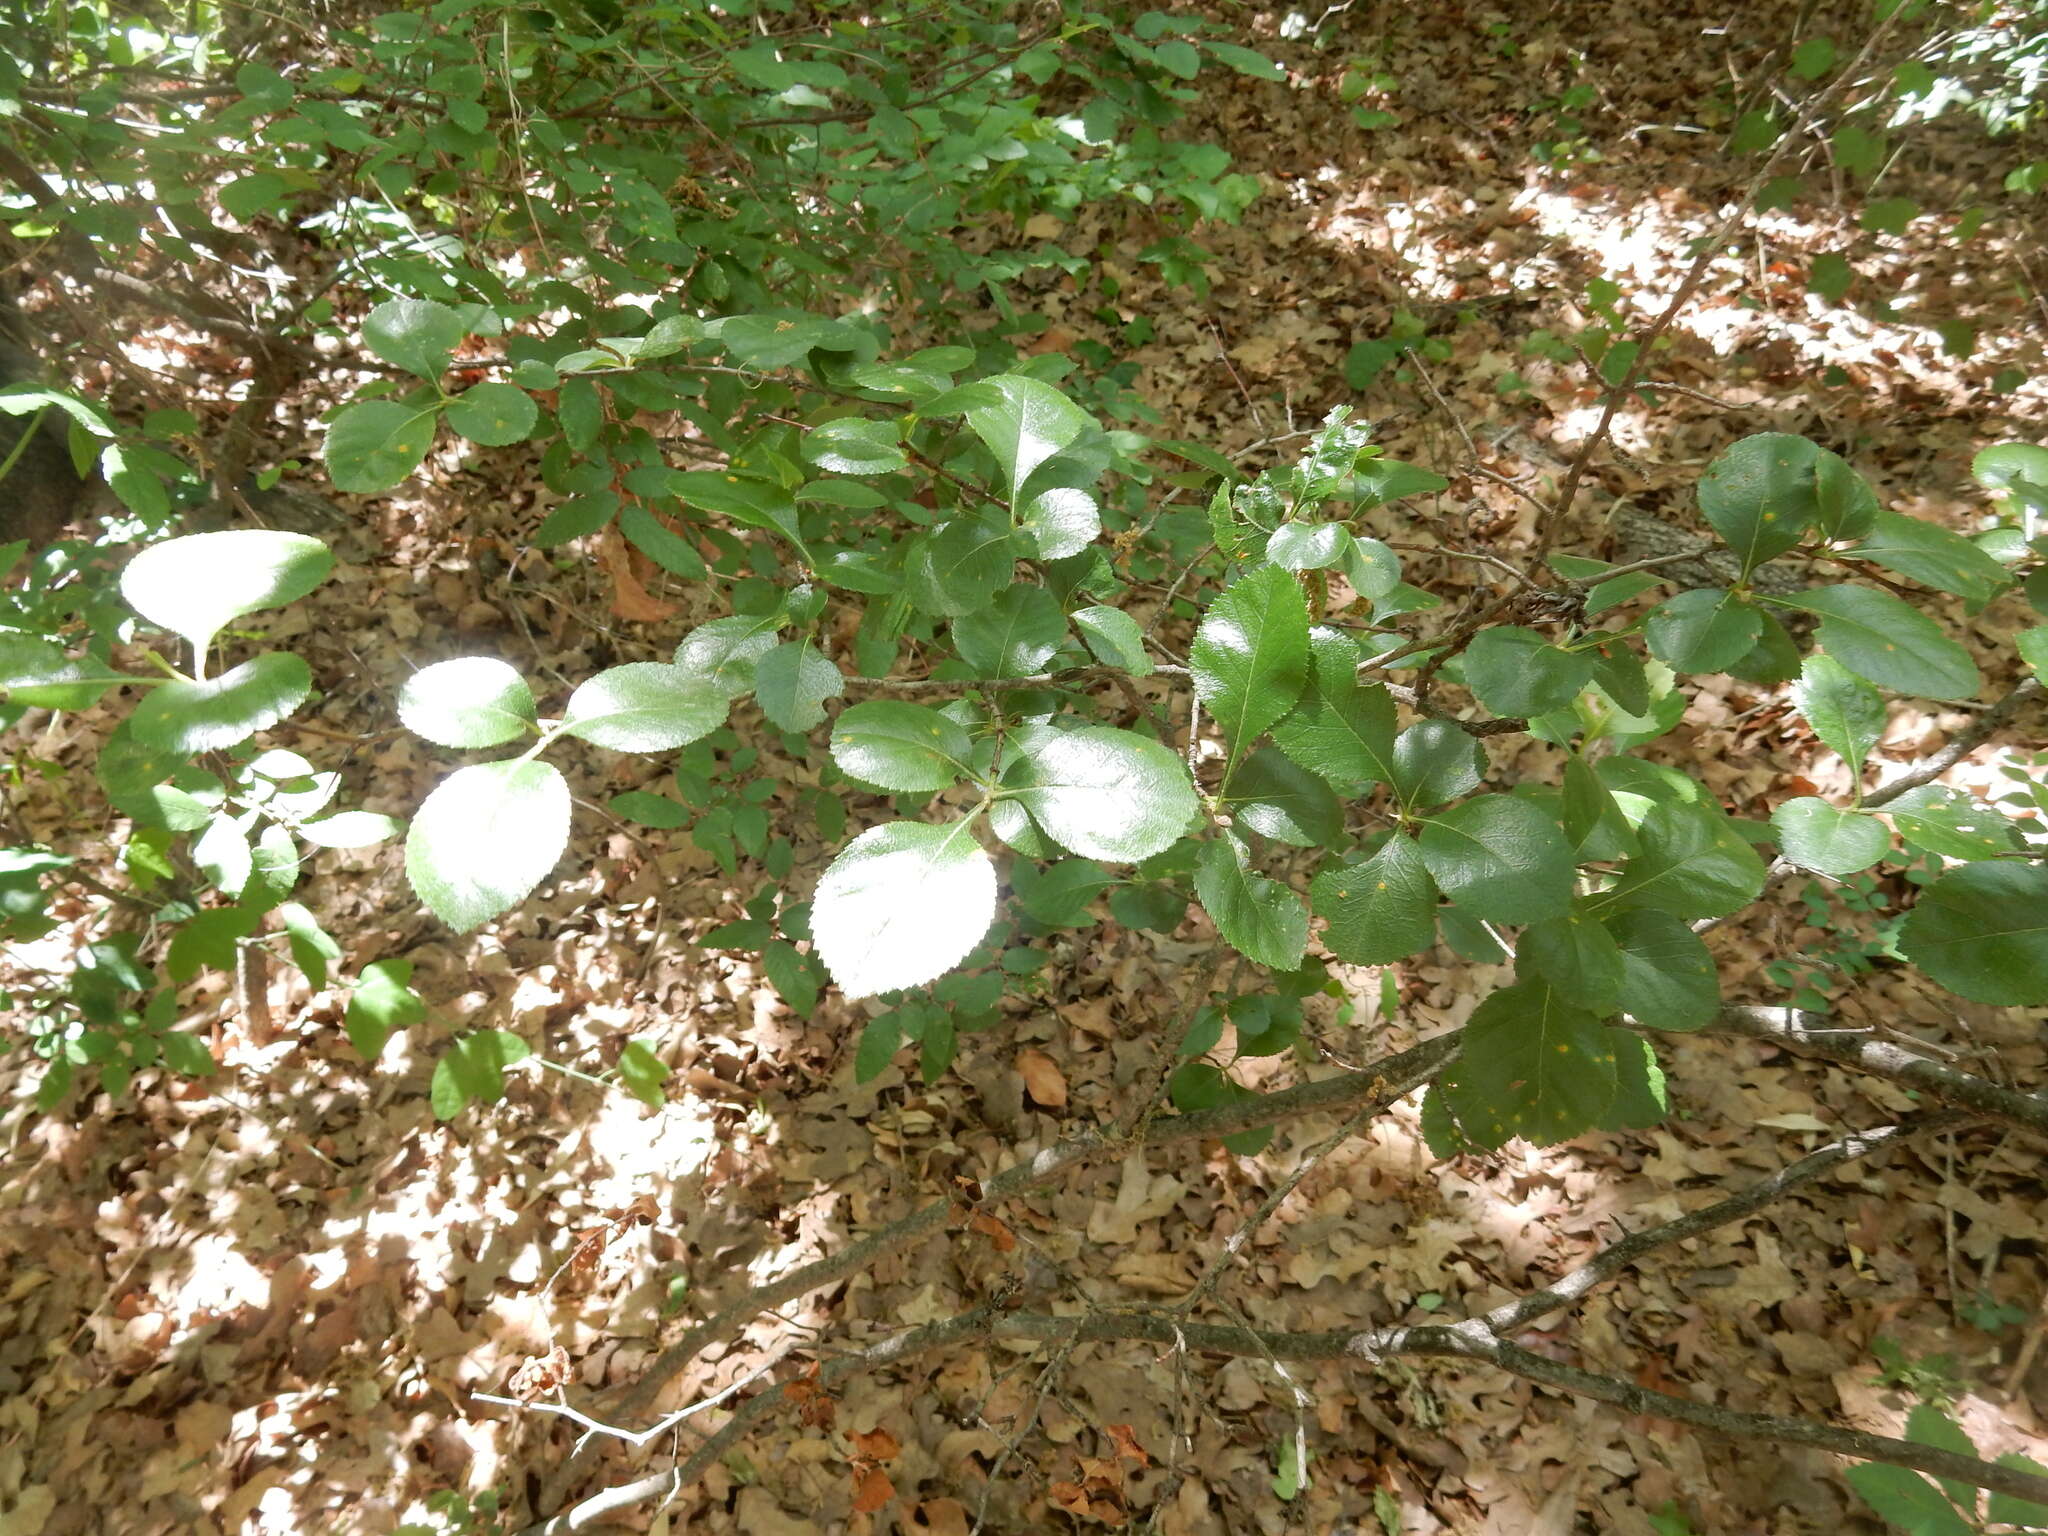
[(268, 1301)]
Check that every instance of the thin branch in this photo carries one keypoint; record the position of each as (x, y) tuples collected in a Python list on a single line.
[(1966, 742)]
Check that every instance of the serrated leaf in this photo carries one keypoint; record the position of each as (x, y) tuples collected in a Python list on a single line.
[(1936, 819), (1339, 729), (1531, 1065), (1023, 421), (495, 415), (187, 718), (1878, 637), (1935, 556), (1308, 546), (1577, 956), (381, 1003), (1372, 568), (1114, 639), (724, 652), (1280, 799), (1435, 761), (1500, 858), (901, 905), (1668, 980), (484, 838), (1593, 820), (1641, 1099), (1515, 672), (645, 706), (1907, 1500), (854, 445), (791, 684), (1708, 629), (902, 747), (1379, 911), (1250, 657), (207, 940), (1981, 931), (1379, 481), (1261, 919), (1759, 495), (1061, 521), (1826, 838), (196, 585), (471, 701), (1014, 636), (961, 565), (1059, 895), (1692, 864), (1846, 713), (2005, 1509), (373, 445), (1105, 793), (1845, 507), (417, 335), (1928, 1425)]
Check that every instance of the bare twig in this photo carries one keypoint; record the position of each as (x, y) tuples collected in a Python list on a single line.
[(1966, 742)]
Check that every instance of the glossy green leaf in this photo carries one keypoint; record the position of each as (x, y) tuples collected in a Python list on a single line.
[(417, 335), (1372, 568), (485, 837), (901, 905), (1308, 546), (1936, 819), (1278, 798), (1707, 629), (1250, 657), (196, 585), (1024, 422), (958, 567), (1378, 481), (1934, 556), (1693, 864), (1261, 919), (1531, 1065), (1759, 495), (1846, 713), (373, 445), (1878, 637), (1435, 761), (187, 718), (1577, 956), (854, 445), (666, 548), (1105, 793), (472, 701), (495, 415), (1500, 858), (1062, 521), (1515, 672), (1981, 930), (902, 747), (1379, 911), (1845, 507), (1014, 636), (1593, 821), (381, 1003), (1668, 980), (791, 684), (1339, 729), (1826, 838), (1114, 639), (645, 706)]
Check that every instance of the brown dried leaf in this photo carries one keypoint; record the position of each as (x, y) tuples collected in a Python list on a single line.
[(1042, 1079)]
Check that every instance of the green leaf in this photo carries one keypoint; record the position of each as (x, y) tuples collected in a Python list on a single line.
[(1693, 864), (880, 1039), (1934, 556), (1907, 1500), (1339, 729), (796, 977), (1826, 838), (854, 445), (723, 653), (1014, 636), (223, 856), (1278, 798), (791, 684), (1379, 911), (485, 837), (645, 706), (1516, 672), (2004, 1509), (1105, 793), (1372, 568), (1261, 919), (1936, 819), (1981, 930), (382, 1003), (188, 718), (472, 1071), (1308, 546), (495, 415), (1830, 275), (1379, 481), (372, 445), (195, 586), (901, 905), (1435, 761), (1704, 630), (961, 565), (472, 701), (1759, 495), (1878, 637), (2011, 467), (576, 517), (1928, 1425), (1531, 1065), (1063, 521), (2032, 644), (651, 810), (1577, 956), (1500, 858), (1845, 507), (1668, 980), (1846, 713), (417, 335), (781, 338), (661, 544), (1641, 1099), (1593, 821), (1114, 639), (902, 747), (1813, 58), (313, 947), (1024, 422), (643, 1073), (350, 829), (207, 940), (1251, 656), (1059, 895)]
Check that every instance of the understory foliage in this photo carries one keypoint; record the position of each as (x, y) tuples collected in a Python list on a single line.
[(713, 267)]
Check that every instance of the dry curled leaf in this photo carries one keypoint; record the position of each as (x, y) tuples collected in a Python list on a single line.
[(872, 1490), (1042, 1079)]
